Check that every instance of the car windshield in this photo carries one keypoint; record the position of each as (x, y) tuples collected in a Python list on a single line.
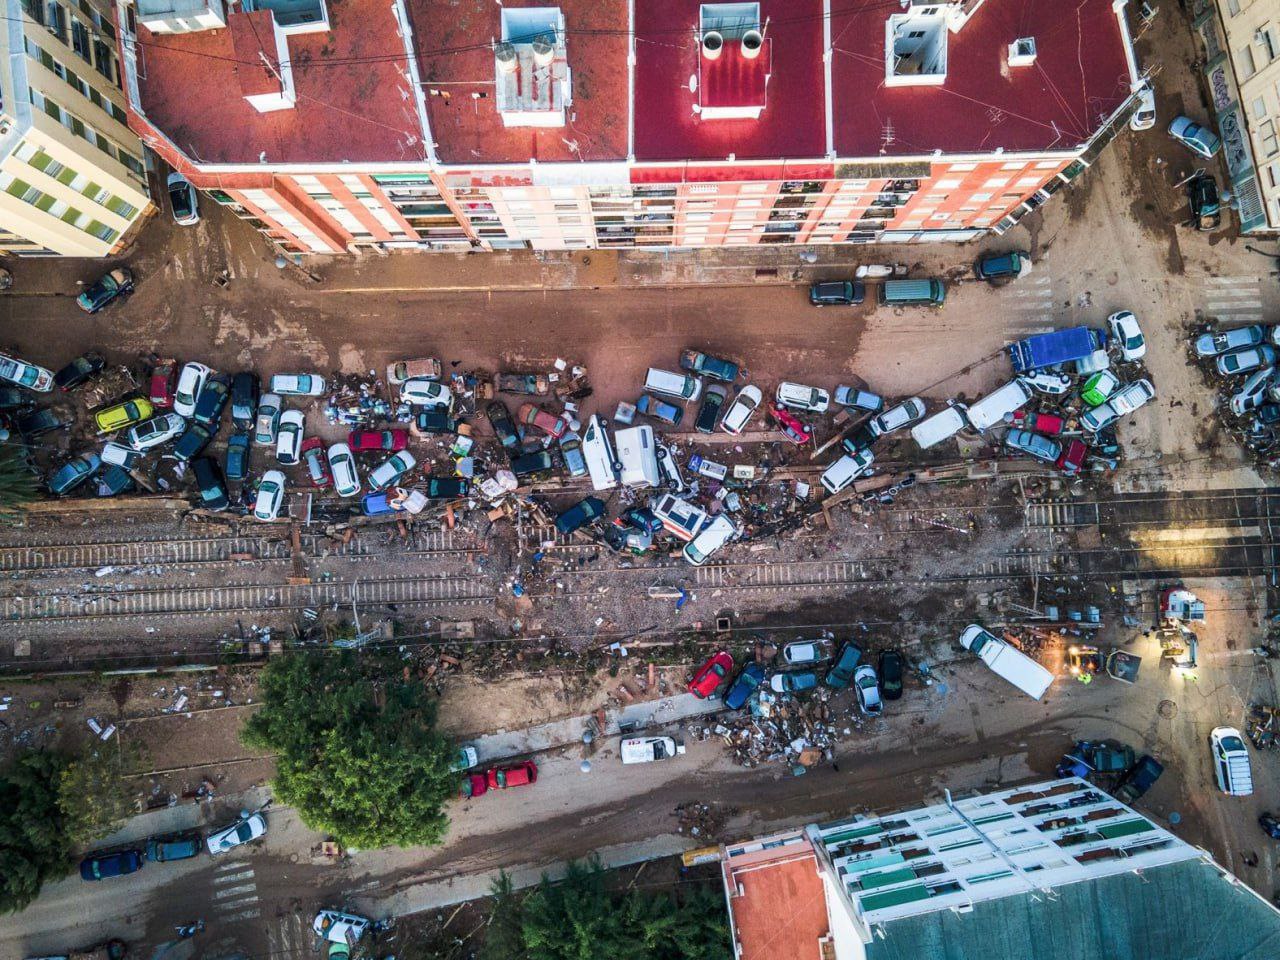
[(244, 832), (1134, 342), (29, 376), (1232, 744)]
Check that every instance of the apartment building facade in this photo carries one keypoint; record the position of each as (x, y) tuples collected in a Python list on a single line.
[(607, 124), (1242, 63), (72, 178), (1057, 870)]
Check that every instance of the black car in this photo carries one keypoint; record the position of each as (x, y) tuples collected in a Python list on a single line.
[(41, 421), (1268, 413), (1206, 208), (642, 518), (435, 420), (113, 479), (447, 488), (891, 674), (580, 514), (213, 489), (97, 295), (244, 399), (212, 401), (15, 398), (1140, 778), (192, 442), (837, 293), (863, 438), (532, 465), (103, 866), (709, 413), (503, 425), (237, 459), (79, 371)]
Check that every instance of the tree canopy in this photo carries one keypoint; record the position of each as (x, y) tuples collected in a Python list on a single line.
[(50, 803), (18, 485), (580, 918), (358, 753)]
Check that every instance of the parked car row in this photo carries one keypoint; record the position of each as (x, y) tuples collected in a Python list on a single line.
[(105, 864)]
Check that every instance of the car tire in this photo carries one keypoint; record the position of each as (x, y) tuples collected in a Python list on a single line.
[(617, 466)]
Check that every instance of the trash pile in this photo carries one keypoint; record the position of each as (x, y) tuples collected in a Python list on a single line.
[(779, 728), (1262, 725)]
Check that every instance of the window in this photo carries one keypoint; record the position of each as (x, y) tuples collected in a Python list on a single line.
[(56, 20), (1016, 165), (947, 184), (1244, 57), (102, 60), (80, 40), (1233, 7), (981, 196), (1259, 108), (1267, 38), (1267, 135), (995, 182), (1048, 164)]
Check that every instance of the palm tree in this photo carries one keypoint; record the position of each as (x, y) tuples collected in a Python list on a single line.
[(18, 485)]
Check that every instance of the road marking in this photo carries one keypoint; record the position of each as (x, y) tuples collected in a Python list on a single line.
[(239, 903), (235, 891), (245, 915), (233, 865), (228, 878)]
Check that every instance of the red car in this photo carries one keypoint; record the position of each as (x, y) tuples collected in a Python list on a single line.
[(1072, 458), (473, 785), (313, 455), (1044, 423), (520, 774), (710, 675), (792, 427), (164, 379), (363, 440), (533, 414)]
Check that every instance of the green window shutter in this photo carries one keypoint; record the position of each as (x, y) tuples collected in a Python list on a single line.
[(18, 188), (41, 160), (45, 202)]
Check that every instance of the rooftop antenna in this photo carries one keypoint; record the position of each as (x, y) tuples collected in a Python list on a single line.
[(886, 135)]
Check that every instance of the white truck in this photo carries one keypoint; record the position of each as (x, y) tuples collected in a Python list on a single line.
[(649, 749), (1007, 661)]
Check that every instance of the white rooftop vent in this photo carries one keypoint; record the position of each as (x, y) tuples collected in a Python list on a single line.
[(915, 47), (1022, 52), (293, 16), (532, 68), (181, 16)]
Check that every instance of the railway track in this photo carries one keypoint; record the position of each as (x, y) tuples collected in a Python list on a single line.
[(198, 550), (156, 603)]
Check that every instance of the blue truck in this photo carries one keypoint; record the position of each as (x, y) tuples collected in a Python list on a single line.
[(1058, 346)]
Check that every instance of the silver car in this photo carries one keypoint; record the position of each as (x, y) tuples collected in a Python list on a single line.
[(268, 420), (895, 418), (1212, 344), (1253, 392), (240, 832), (1250, 358), (1035, 444), (157, 430), (1126, 400)]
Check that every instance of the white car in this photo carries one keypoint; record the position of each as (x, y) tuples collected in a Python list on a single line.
[(298, 384), (669, 468), (1127, 333), (26, 374), (426, 393), (847, 469), (1254, 391), (802, 652), (153, 432), (1054, 384), (1144, 118), (340, 927), (183, 200), (713, 536), (1123, 401), (267, 421), (270, 496), (391, 469), (289, 437), (190, 382), (1231, 762), (797, 396), (867, 686), (346, 482), (741, 410), (119, 455), (895, 418), (243, 831)]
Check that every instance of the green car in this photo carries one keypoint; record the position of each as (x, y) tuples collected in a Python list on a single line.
[(1099, 387)]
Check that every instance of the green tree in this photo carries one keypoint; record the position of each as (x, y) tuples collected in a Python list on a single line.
[(358, 753), (18, 485), (34, 846), (92, 796), (504, 936)]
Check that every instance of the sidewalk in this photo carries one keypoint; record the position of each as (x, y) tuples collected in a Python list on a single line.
[(559, 733), (444, 893)]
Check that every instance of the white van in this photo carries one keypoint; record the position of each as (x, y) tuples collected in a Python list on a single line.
[(1231, 762), (597, 451), (681, 517), (713, 536), (673, 384), (709, 468), (649, 749), (939, 427), (846, 470), (992, 408), (1009, 662), (637, 457)]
